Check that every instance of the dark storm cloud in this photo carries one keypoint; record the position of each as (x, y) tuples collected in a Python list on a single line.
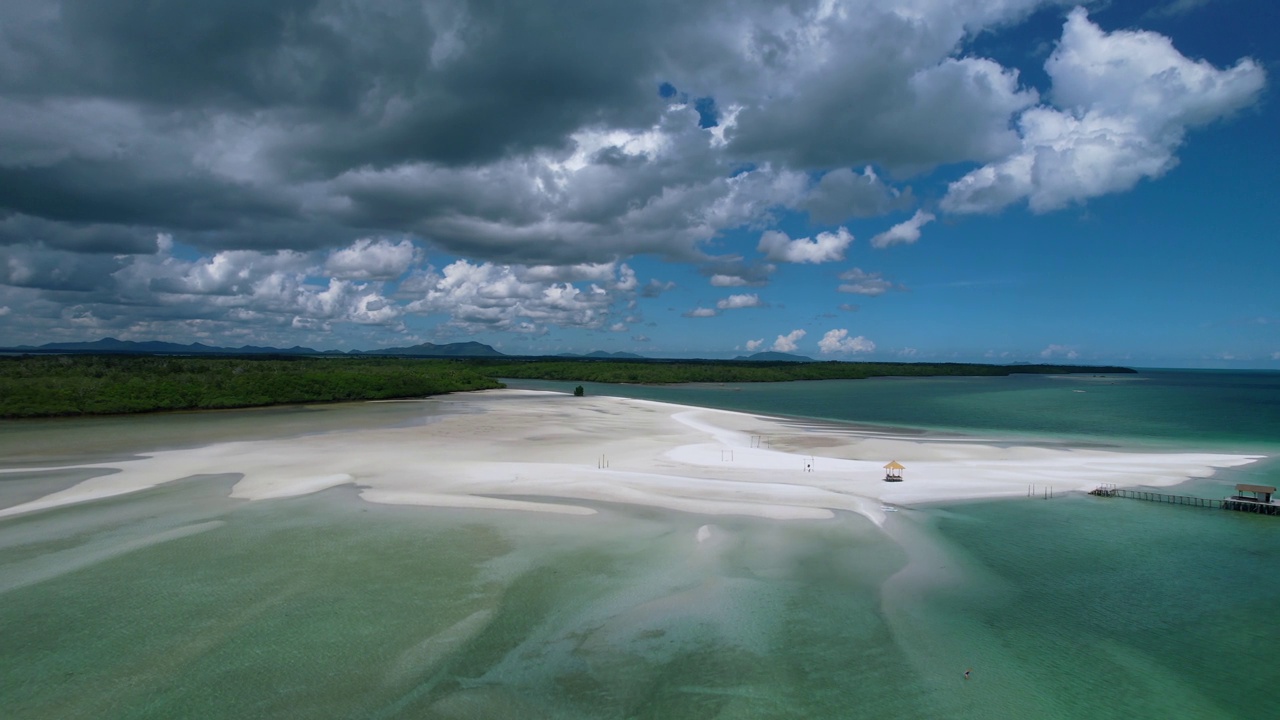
[(102, 191), (444, 81), (40, 268), (206, 118), (233, 53), (89, 238), (250, 124)]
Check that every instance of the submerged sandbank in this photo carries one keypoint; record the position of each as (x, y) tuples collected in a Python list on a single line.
[(540, 451)]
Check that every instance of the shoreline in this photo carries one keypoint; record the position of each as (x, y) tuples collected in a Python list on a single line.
[(496, 449)]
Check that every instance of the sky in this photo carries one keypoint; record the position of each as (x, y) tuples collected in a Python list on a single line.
[(887, 180)]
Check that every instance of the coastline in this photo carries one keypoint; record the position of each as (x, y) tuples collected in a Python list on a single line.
[(536, 451)]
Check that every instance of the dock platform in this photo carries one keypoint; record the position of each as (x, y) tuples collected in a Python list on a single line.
[(1238, 503)]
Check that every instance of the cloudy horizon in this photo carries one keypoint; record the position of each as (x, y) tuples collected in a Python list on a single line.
[(999, 180)]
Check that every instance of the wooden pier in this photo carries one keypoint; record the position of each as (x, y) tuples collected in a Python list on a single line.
[(1239, 503)]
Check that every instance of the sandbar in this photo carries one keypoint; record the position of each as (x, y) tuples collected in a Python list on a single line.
[(532, 451)]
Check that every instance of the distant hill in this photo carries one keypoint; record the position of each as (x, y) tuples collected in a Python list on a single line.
[(774, 357), (606, 355), (462, 349), (112, 345)]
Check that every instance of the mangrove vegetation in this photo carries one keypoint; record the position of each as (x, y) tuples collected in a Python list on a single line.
[(52, 385), (73, 384)]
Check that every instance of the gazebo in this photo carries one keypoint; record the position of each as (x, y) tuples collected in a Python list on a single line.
[(893, 471)]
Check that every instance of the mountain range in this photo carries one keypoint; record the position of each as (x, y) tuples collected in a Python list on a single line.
[(112, 345), (458, 349), (605, 355)]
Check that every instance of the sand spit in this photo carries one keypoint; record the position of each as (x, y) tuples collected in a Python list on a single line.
[(511, 449)]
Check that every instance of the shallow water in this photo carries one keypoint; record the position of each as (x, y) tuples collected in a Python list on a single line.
[(1118, 609), (1228, 412), (181, 602), (327, 607)]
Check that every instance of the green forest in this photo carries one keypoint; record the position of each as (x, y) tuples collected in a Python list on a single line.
[(62, 385), (43, 386)]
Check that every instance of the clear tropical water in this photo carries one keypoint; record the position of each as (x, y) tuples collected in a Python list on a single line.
[(1170, 408), (180, 602)]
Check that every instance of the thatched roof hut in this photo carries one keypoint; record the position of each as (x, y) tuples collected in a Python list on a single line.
[(893, 471)]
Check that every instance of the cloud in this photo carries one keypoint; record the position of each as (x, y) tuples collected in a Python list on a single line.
[(734, 302), (306, 176), (655, 288), (42, 268), (827, 247), (372, 259), (1063, 351), (849, 307), (1177, 8), (753, 345), (727, 281), (830, 86), (906, 232), (841, 194), (838, 341), (733, 271), (1124, 102), (371, 283), (700, 312), (486, 296), (787, 343), (864, 283)]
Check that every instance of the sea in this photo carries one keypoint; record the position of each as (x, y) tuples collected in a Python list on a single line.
[(181, 602)]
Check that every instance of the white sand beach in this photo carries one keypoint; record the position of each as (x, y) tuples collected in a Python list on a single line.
[(550, 452)]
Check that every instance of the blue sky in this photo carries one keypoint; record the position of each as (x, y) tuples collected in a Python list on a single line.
[(1021, 180)]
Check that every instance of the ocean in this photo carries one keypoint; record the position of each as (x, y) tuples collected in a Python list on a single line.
[(179, 601)]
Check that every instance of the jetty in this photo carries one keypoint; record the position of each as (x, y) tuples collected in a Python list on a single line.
[(1248, 498)]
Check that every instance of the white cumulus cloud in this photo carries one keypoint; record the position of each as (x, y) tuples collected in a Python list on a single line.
[(1063, 351), (838, 341), (787, 343), (826, 247), (858, 282), (1123, 102), (734, 302), (905, 232), (372, 259), (728, 281), (525, 300)]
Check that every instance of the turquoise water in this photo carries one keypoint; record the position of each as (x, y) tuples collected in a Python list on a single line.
[(1118, 609), (181, 602), (1168, 408)]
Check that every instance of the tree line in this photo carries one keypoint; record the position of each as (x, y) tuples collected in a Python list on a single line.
[(61, 385), (44, 386)]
